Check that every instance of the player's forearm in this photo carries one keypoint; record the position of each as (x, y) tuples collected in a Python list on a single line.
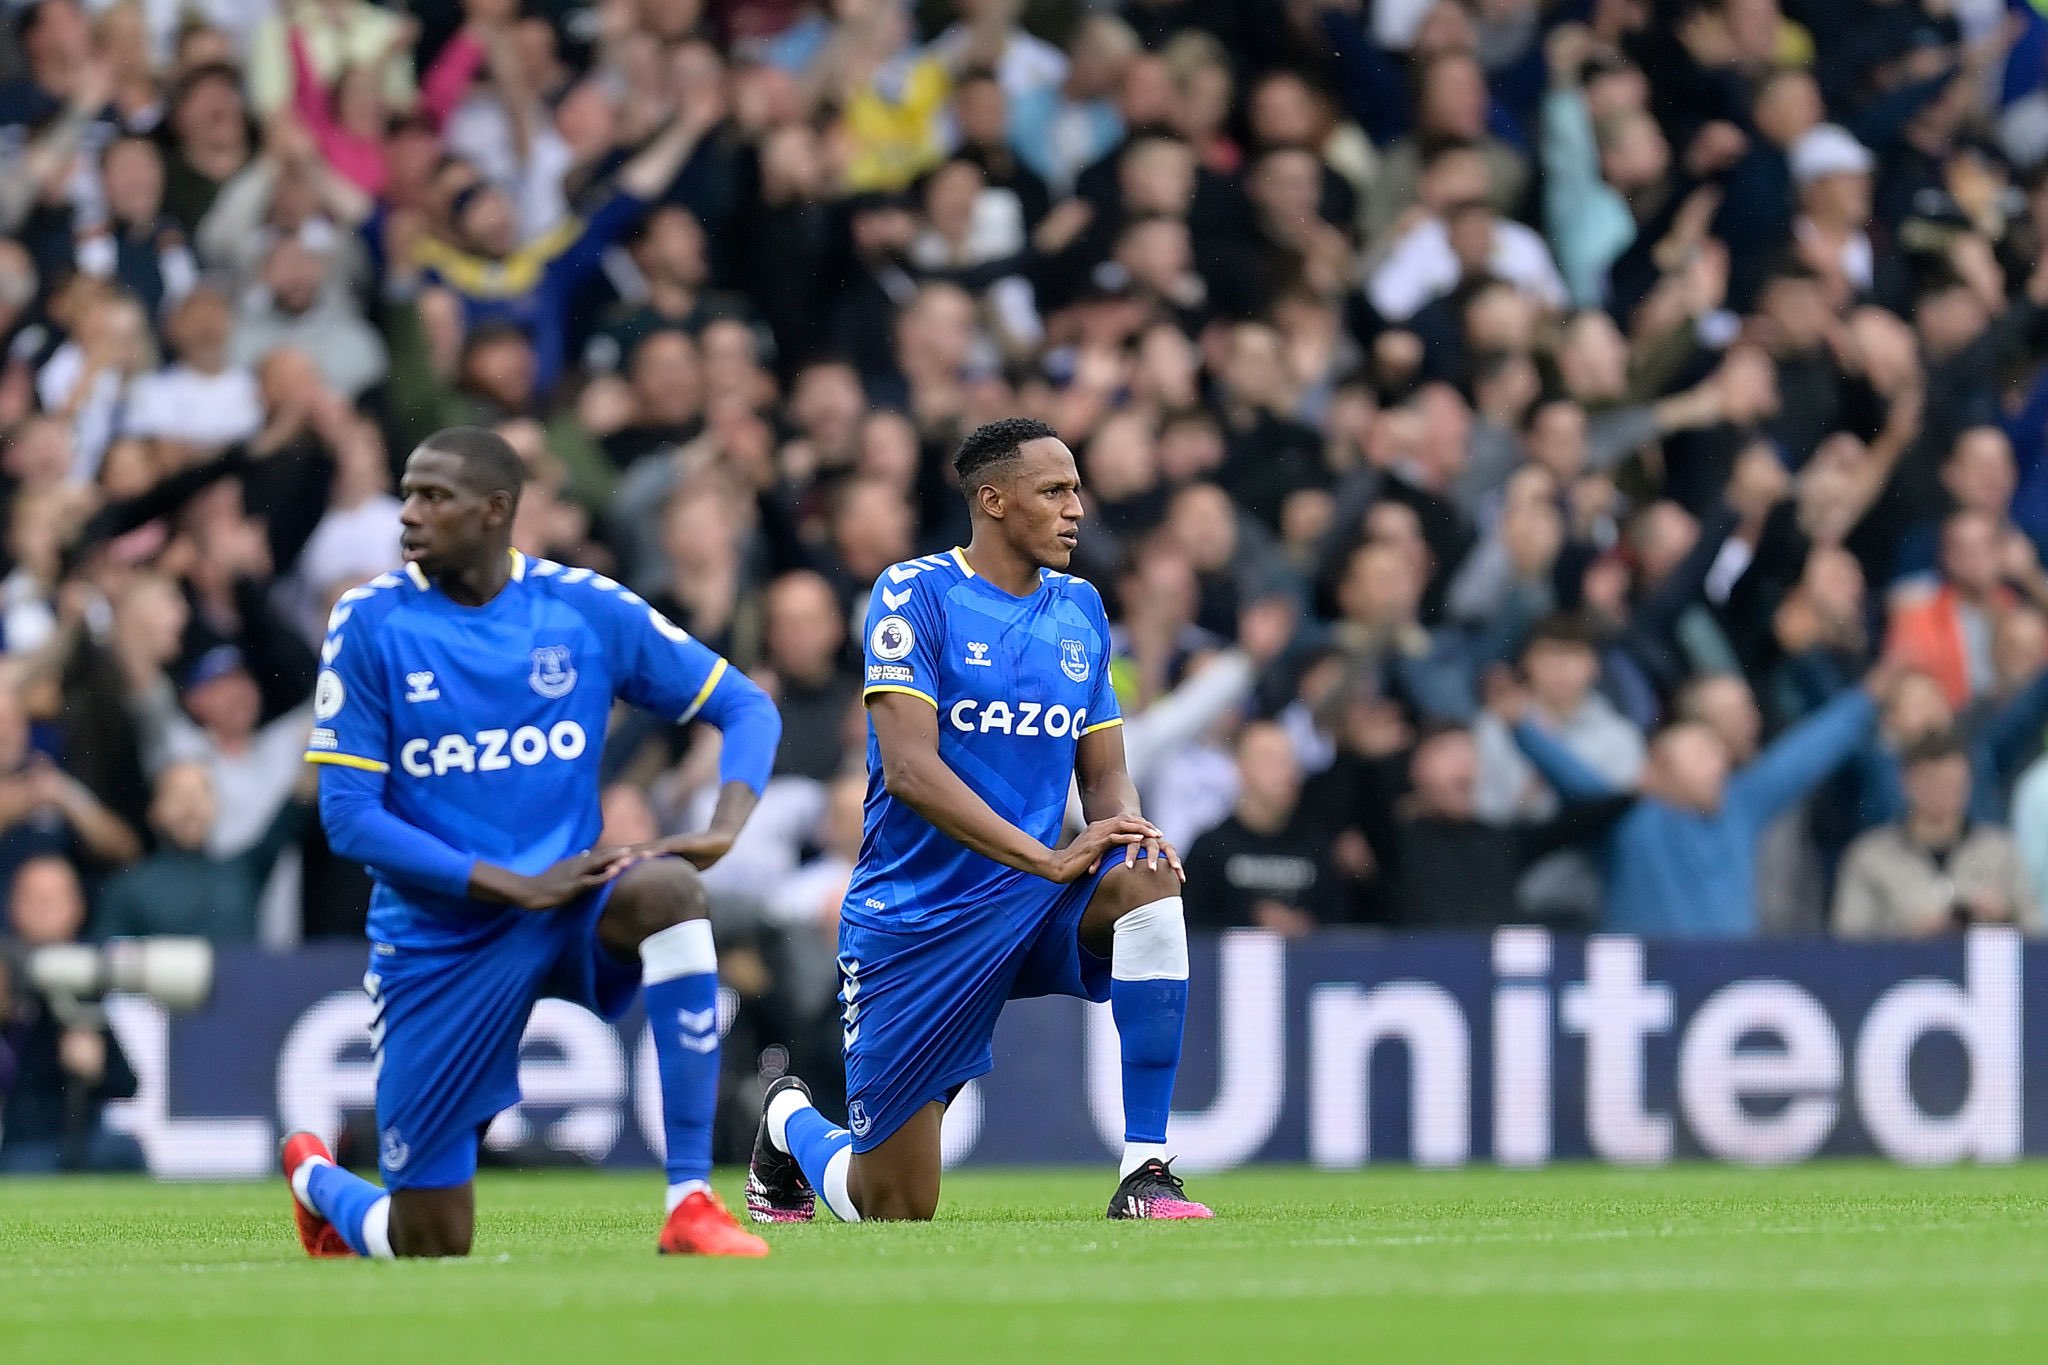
[(360, 828), (496, 885), (925, 784), (1113, 795), (736, 801)]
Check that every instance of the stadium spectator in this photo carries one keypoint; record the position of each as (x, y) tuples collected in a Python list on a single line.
[(44, 811), (1682, 863), (1446, 868), (181, 888), (57, 1073), (1936, 870), (1561, 668), (803, 636), (1267, 864), (300, 308)]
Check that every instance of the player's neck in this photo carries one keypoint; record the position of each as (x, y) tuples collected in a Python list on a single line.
[(475, 584), (1001, 565)]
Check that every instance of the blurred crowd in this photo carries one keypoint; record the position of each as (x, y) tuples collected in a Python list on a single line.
[(1563, 461)]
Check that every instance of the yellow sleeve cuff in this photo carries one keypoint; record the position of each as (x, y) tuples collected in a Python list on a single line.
[(368, 765), (926, 697)]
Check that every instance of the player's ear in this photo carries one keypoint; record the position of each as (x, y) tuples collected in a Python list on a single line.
[(990, 500)]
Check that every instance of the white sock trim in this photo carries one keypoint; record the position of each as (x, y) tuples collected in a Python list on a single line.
[(1137, 1154), (682, 1190), (377, 1230), (1150, 944), (781, 1110), (834, 1191), (684, 949), (302, 1181)]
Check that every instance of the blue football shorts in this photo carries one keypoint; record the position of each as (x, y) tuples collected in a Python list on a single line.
[(446, 1026), (918, 1007)]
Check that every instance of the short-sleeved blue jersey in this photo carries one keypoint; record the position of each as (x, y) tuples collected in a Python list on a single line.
[(1017, 681), (488, 721)]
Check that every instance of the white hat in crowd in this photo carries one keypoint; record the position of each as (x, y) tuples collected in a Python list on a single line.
[(1828, 149)]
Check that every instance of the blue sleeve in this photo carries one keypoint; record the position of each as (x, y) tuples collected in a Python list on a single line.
[(662, 668), (750, 726), (901, 636), (1798, 759), (2027, 60), (2012, 739), (2028, 430), (585, 254), (359, 827), (1573, 195), (1103, 710), (1561, 768), (351, 703)]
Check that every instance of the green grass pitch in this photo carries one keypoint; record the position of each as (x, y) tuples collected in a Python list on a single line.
[(1818, 1263)]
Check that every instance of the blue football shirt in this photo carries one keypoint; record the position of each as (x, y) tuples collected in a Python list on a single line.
[(1016, 681), (489, 721)]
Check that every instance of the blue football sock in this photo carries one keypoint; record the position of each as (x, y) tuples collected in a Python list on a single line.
[(825, 1151), (1148, 997), (679, 972), (347, 1201), (1149, 1015)]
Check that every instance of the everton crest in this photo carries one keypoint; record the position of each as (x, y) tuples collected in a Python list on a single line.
[(553, 675)]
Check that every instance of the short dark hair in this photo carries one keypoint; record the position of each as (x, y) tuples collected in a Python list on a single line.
[(641, 231), (1434, 728), (1934, 747), (994, 444), (489, 463), (1559, 628), (204, 74)]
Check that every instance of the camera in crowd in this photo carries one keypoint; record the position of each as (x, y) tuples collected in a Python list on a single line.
[(175, 972)]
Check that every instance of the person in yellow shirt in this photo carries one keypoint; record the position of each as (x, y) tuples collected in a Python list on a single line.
[(891, 94)]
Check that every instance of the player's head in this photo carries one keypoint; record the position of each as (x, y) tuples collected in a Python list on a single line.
[(461, 491), (1020, 477)]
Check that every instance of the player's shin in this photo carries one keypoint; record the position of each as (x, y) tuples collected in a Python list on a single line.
[(679, 975), (359, 1211), (822, 1148), (1148, 997)]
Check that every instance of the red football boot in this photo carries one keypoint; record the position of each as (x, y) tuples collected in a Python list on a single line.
[(316, 1234), (700, 1226)]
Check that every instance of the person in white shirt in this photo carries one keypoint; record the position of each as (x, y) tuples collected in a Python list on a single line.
[(1832, 171), (201, 402), (87, 382), (1455, 234), (988, 30)]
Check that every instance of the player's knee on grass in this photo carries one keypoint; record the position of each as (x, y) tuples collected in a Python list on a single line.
[(433, 1223), (899, 1180), (653, 896), (896, 1196)]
